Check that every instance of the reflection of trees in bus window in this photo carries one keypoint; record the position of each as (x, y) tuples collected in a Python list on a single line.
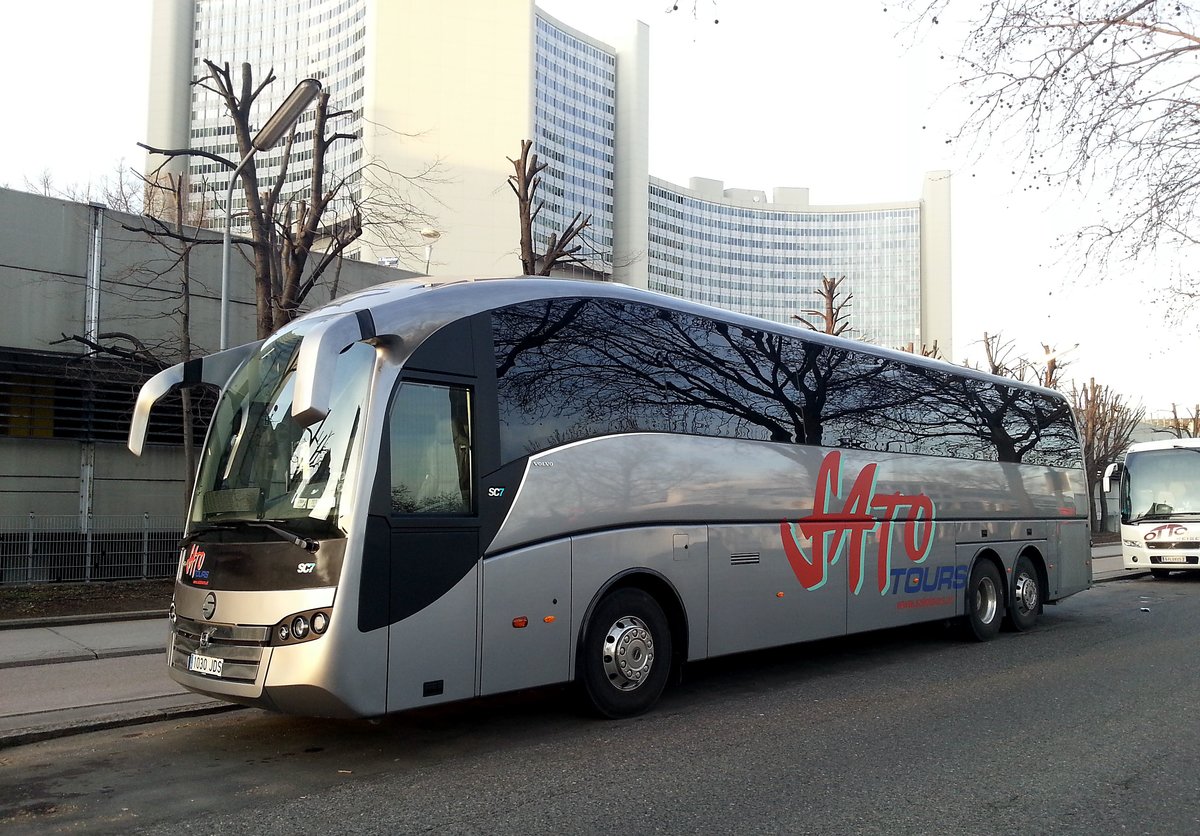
[(569, 369), (430, 448)]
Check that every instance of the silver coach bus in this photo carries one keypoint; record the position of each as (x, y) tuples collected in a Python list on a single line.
[(433, 491)]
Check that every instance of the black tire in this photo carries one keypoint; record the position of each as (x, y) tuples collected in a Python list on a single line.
[(984, 609), (625, 658), (1025, 596), (1161, 573)]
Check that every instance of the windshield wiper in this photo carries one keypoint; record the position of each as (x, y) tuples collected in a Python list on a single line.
[(306, 543), (204, 528)]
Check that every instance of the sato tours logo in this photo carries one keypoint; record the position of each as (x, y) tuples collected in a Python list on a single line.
[(816, 542), (193, 565)]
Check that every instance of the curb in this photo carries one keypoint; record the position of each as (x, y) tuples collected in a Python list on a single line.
[(82, 657), (1125, 575), (37, 734), (70, 620)]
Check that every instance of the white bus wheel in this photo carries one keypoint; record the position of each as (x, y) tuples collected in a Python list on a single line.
[(626, 654), (1025, 598), (985, 602)]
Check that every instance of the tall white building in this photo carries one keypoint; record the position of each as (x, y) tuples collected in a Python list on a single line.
[(734, 248), (450, 90)]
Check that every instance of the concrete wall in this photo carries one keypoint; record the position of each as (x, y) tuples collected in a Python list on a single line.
[(45, 247)]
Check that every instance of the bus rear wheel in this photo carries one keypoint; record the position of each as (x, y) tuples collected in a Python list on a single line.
[(625, 659), (985, 602), (1025, 598)]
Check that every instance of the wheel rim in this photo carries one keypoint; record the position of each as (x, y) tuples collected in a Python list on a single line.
[(1026, 594), (987, 600), (628, 653)]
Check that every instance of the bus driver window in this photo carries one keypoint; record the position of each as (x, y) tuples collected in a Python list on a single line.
[(431, 450)]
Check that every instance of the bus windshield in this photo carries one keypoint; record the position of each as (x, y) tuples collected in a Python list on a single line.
[(1161, 484), (259, 464)]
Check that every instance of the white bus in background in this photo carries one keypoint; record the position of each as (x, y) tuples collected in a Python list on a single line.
[(427, 492), (1160, 505)]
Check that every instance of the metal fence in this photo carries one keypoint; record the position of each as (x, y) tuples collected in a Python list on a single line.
[(44, 548)]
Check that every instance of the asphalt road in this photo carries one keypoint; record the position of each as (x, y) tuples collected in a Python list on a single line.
[(1084, 726)]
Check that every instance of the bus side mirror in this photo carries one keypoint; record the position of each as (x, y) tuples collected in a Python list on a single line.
[(215, 369), (1112, 470), (318, 357)]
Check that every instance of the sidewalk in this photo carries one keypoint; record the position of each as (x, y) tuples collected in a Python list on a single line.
[(73, 675), (1106, 564), (58, 679)]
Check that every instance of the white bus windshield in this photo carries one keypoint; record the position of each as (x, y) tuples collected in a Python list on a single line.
[(1161, 484), (259, 464)]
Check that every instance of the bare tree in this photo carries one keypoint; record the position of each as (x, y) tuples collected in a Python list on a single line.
[(695, 6), (834, 317), (1185, 427), (1106, 423), (931, 351), (1000, 359), (294, 238), (1099, 92), (563, 248), (122, 191)]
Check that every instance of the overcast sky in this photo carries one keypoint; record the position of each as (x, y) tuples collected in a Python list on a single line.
[(778, 93)]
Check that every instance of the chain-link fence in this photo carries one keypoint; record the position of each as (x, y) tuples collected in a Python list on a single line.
[(40, 548)]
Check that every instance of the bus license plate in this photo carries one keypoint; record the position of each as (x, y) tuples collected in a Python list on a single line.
[(206, 665), (1172, 558)]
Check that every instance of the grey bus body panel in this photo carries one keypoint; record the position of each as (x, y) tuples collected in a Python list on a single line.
[(642, 479), (757, 602), (432, 653), (534, 584)]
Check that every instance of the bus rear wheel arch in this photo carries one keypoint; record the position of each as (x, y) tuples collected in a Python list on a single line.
[(984, 607), (626, 655)]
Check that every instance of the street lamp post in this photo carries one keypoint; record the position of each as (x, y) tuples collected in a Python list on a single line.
[(279, 123), (430, 235)]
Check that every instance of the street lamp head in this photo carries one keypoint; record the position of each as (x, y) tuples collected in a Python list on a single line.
[(430, 234), (287, 114)]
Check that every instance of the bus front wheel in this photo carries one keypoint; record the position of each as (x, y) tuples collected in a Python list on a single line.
[(626, 654), (985, 602)]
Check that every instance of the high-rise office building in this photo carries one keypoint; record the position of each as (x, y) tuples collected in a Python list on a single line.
[(734, 248), (449, 92)]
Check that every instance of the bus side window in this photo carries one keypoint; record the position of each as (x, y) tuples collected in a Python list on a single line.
[(431, 450)]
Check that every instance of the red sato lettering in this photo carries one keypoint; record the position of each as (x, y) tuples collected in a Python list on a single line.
[(194, 561), (831, 531)]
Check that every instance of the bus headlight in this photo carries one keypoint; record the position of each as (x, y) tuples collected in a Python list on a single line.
[(1131, 543), (320, 621), (300, 627)]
